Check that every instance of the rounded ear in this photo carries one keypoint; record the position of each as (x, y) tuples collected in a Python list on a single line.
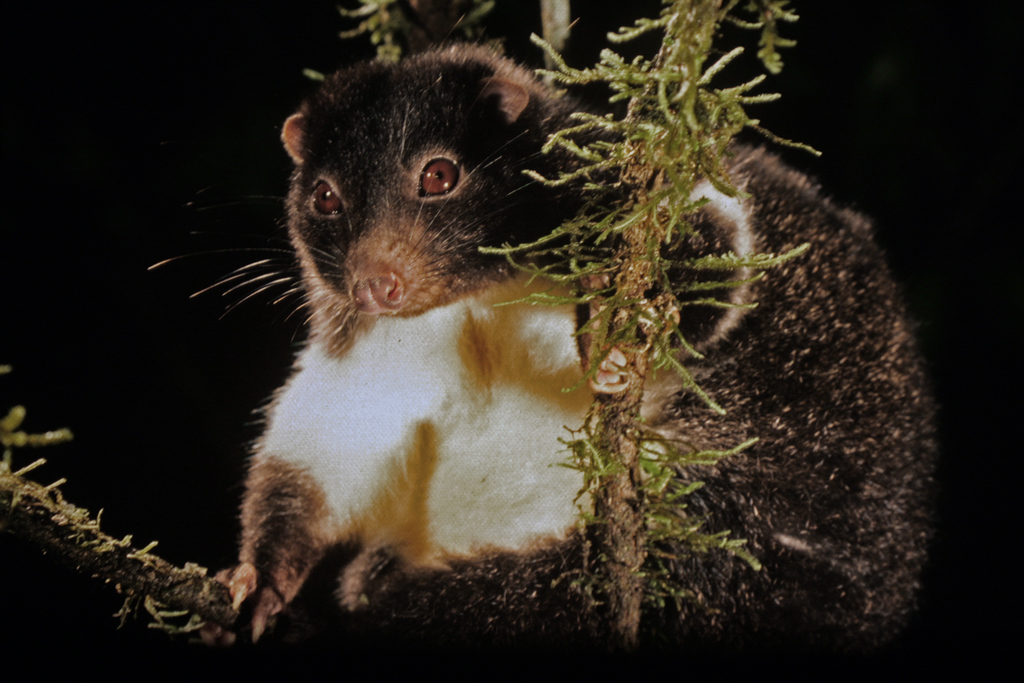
[(293, 136), (512, 97)]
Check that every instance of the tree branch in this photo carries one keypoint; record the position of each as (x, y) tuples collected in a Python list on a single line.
[(40, 515), (619, 502)]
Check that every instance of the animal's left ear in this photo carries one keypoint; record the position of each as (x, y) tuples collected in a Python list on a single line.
[(511, 97), (293, 135)]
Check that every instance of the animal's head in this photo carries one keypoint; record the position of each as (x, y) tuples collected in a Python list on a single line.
[(404, 171)]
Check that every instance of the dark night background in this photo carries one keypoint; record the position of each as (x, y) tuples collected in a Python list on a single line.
[(132, 134)]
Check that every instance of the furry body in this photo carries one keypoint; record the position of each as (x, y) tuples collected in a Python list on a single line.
[(407, 465)]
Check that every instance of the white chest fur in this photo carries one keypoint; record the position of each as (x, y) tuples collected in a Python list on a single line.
[(440, 432)]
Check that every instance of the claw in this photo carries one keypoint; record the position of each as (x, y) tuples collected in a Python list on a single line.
[(258, 626), (268, 604), (242, 584)]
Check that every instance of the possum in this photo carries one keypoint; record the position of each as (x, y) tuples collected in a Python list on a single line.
[(408, 483)]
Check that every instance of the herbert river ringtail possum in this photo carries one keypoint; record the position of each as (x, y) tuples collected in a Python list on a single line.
[(408, 471)]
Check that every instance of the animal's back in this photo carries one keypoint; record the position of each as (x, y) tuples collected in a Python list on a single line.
[(835, 498)]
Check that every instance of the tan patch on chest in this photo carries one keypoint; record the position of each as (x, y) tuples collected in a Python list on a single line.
[(398, 515), (493, 352)]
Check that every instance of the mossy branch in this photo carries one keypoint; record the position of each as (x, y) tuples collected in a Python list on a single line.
[(40, 515)]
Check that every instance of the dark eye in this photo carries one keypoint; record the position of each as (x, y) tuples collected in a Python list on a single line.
[(325, 199), (439, 177)]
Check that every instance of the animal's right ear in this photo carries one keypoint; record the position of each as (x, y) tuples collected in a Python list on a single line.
[(293, 135), (511, 98)]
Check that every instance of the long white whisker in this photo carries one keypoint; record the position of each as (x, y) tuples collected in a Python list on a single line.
[(297, 290), (255, 293), (238, 273), (236, 250)]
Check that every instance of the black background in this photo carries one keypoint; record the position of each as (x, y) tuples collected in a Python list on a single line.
[(137, 133)]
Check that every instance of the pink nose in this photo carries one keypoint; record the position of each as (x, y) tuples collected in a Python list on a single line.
[(379, 294)]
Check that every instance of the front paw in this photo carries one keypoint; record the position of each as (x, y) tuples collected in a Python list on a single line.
[(212, 633), (243, 583), (611, 376)]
